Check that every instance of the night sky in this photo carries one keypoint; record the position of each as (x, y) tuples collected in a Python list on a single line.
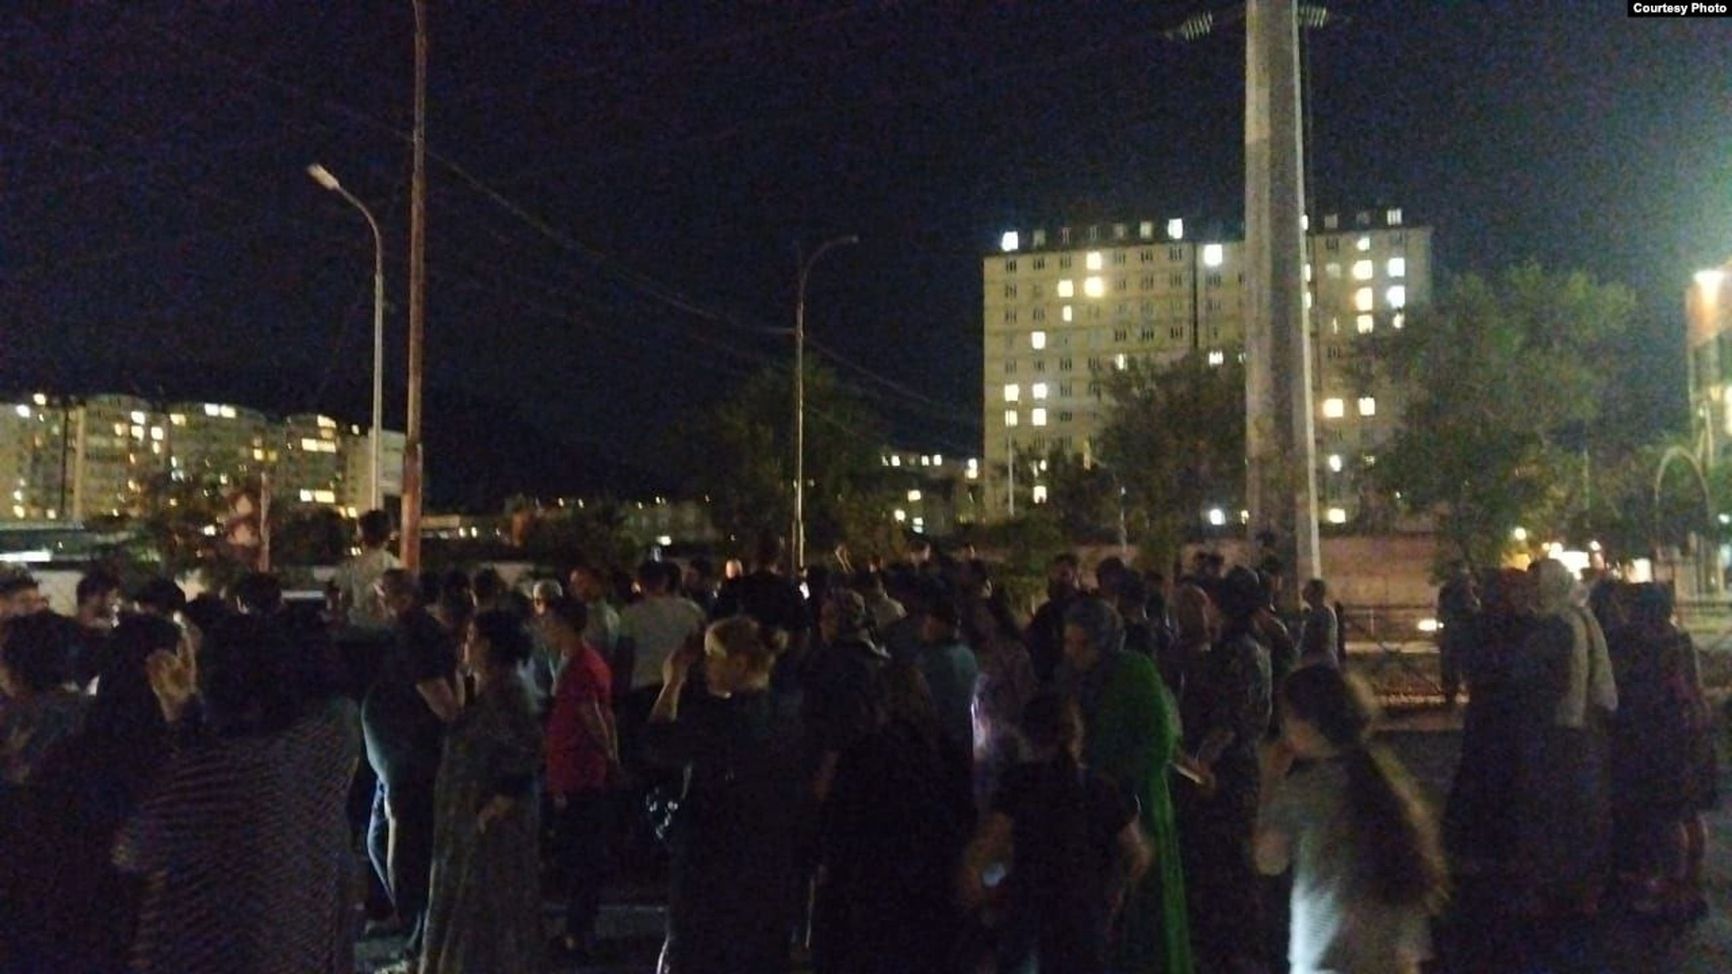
[(617, 190)]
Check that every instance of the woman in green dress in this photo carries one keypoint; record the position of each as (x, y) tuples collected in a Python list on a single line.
[(485, 909), (1132, 735)]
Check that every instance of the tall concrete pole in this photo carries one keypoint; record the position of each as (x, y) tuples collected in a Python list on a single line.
[(411, 526), (1281, 475)]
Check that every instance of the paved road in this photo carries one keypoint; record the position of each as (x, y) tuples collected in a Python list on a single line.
[(1427, 743)]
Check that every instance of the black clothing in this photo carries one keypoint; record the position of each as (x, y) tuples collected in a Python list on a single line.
[(403, 734), (1045, 637), (839, 703), (1065, 824), (773, 601)]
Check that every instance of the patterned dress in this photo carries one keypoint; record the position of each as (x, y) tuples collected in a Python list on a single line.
[(245, 846), (485, 909)]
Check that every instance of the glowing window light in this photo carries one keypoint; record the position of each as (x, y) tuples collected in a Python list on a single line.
[(900, 515), (1397, 296), (1213, 255), (914, 496), (1337, 515), (1367, 406), (1175, 229), (1040, 493), (1039, 390), (1364, 299), (1365, 324), (1335, 462), (1363, 269), (1093, 261), (1010, 242), (1065, 313), (1397, 267), (1012, 393), (1037, 340), (1217, 517), (1010, 417), (1362, 244), (1334, 408), (1037, 417), (1067, 288), (1094, 287)]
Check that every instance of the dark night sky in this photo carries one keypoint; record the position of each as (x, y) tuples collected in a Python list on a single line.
[(157, 231)]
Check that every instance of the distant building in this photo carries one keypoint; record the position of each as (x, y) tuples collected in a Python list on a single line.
[(77, 459), (1066, 306), (936, 494), (1708, 347)]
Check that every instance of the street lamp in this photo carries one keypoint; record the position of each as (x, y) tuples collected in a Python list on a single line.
[(800, 395), (323, 177)]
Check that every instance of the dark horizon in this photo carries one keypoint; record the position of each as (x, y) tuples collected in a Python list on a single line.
[(616, 194)]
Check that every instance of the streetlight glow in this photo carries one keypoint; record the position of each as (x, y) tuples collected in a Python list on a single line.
[(1710, 280), (323, 177)]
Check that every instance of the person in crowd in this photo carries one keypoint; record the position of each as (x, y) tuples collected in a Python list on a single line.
[(885, 610), (733, 887), (357, 577), (590, 585), (404, 715), (1368, 871), (489, 589), (582, 757), (1226, 714), (257, 593), (891, 834), (1477, 826), (1110, 577), (1196, 624), (40, 710), (701, 585), (1006, 685), (453, 612), (1071, 841), (159, 597), (951, 674), (20, 595), (841, 684), (916, 593), (767, 595), (72, 910), (268, 890), (1272, 631), (1565, 679), (1457, 604), (974, 578), (1131, 734), (920, 555), (650, 631), (98, 596), (1045, 639), (1146, 632), (544, 660), (1319, 633), (1661, 756), (484, 910)]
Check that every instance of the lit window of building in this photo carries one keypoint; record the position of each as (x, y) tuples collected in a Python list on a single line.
[(1146, 229), (1217, 517), (1337, 515), (1010, 241), (1067, 289), (1309, 300), (1308, 273), (1037, 340), (1398, 320), (1119, 361), (973, 469), (1362, 244), (1039, 392), (1093, 261), (22, 411), (1392, 216), (900, 515), (1335, 462), (1397, 296), (1039, 238), (1365, 324), (1334, 408), (914, 496), (1040, 493), (1367, 406), (1362, 270), (1398, 267), (1065, 313), (1094, 287), (1363, 299), (1012, 392), (1037, 416), (1213, 255), (1010, 417), (1217, 357), (138, 417), (1332, 271)]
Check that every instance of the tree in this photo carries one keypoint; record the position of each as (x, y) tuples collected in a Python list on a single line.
[(1503, 378), (740, 456), (1175, 436)]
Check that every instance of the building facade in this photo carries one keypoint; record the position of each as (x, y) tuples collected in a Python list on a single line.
[(1066, 306), (93, 457), (1708, 347)]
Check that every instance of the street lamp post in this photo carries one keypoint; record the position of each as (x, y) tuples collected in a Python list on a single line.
[(323, 177), (800, 394)]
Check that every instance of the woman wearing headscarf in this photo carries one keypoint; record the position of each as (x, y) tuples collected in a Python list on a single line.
[(1477, 826), (1564, 679), (1131, 736)]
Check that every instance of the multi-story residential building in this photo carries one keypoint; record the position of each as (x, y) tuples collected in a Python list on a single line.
[(1708, 348), (1062, 308), (77, 459), (937, 494)]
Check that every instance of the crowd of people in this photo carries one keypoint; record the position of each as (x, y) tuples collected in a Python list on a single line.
[(882, 769)]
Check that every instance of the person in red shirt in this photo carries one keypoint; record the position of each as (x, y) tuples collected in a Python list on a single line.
[(582, 756)]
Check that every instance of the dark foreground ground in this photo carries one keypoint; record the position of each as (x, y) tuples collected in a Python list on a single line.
[(1474, 938)]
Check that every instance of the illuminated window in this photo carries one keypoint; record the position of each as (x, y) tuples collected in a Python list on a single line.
[(1094, 287), (1335, 462), (177, 419), (1066, 289), (1119, 361), (1039, 391), (1308, 273), (138, 432), (1308, 300), (1365, 323), (1037, 416), (1012, 392), (1213, 255), (138, 417), (1039, 238), (1037, 340), (1392, 216), (1362, 270), (212, 409), (1040, 493), (1398, 267), (1398, 319), (1175, 229), (22, 411), (1337, 515), (900, 515), (1363, 299), (1367, 406), (914, 495), (1217, 357), (1397, 296), (1334, 409), (1010, 417), (1146, 229), (1093, 260), (1065, 313), (1332, 271), (1362, 244), (1010, 241), (1217, 517)]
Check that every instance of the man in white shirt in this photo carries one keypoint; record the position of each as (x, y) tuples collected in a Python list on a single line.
[(356, 578), (655, 628)]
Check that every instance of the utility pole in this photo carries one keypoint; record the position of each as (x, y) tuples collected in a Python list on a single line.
[(412, 463), (800, 394)]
